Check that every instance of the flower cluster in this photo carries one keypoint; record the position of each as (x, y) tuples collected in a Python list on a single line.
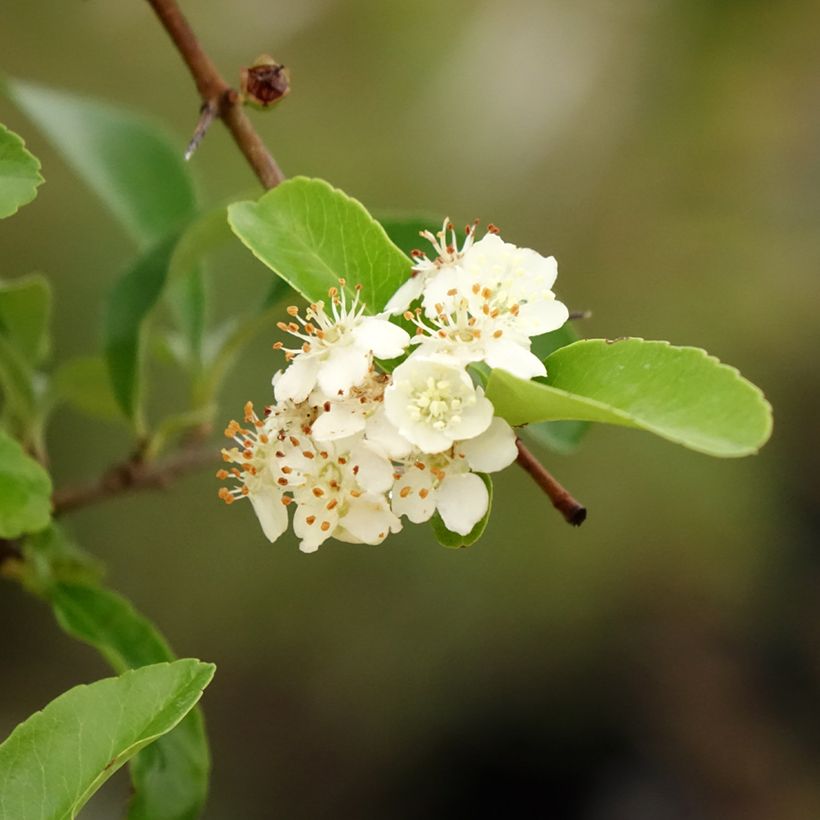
[(354, 448)]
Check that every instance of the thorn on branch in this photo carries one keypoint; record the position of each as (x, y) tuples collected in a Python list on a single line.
[(580, 314), (207, 114)]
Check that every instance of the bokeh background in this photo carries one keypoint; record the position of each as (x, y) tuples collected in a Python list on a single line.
[(663, 661)]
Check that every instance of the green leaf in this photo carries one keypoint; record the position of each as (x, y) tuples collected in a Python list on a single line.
[(312, 234), (51, 557), (452, 540), (679, 393), (128, 161), (171, 777), (128, 305), (562, 437), (25, 311), (186, 282), (25, 492), (404, 230), (19, 173), (53, 763), (83, 382)]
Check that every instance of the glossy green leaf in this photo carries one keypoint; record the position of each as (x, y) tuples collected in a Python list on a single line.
[(25, 491), (19, 173), (128, 305), (25, 311), (170, 777), (312, 234), (53, 763), (679, 393), (453, 540), (83, 383), (404, 230), (559, 436), (127, 160)]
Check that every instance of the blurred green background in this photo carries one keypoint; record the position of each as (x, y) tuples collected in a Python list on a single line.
[(662, 661)]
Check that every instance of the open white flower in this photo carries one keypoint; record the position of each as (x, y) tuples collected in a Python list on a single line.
[(438, 269), (444, 481), (432, 402), (512, 282), (257, 473), (343, 496), (488, 306), (337, 347)]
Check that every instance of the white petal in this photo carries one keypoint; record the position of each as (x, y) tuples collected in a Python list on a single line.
[(384, 339), (342, 420), (514, 358), (475, 419), (493, 450), (297, 380), (344, 367), (271, 512), (380, 431), (439, 290), (312, 534), (413, 495), (369, 519), (373, 471), (401, 299), (462, 501), (542, 316)]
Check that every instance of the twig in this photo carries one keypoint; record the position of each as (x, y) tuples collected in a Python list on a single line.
[(573, 511), (216, 92), (132, 475), (206, 117)]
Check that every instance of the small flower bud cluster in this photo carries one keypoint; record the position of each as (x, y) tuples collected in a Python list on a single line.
[(354, 449)]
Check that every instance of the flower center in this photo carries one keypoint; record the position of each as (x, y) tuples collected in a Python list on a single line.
[(435, 403)]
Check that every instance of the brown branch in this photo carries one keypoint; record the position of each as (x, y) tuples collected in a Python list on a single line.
[(573, 511), (133, 475), (214, 91)]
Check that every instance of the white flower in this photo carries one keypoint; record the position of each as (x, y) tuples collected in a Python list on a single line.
[(257, 474), (512, 282), (343, 495), (337, 348), (425, 270), (488, 306), (432, 402), (444, 482)]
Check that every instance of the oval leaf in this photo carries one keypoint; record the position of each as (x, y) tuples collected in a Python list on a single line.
[(19, 173), (25, 491), (170, 777), (52, 764), (679, 393), (25, 310), (129, 303), (128, 161), (312, 234), (561, 437)]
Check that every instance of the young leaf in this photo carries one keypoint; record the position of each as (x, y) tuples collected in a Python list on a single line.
[(312, 234), (53, 763), (19, 173), (25, 310), (170, 778), (453, 540), (83, 382), (128, 161), (25, 491), (679, 393), (128, 305), (562, 437)]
